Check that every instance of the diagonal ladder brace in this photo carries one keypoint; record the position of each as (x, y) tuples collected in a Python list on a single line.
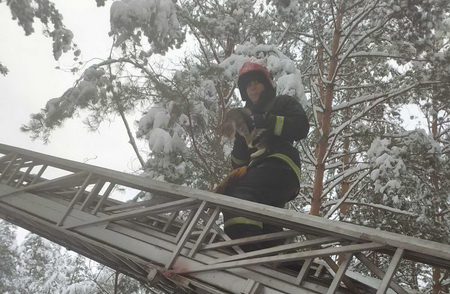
[(169, 206), (49, 184), (286, 257)]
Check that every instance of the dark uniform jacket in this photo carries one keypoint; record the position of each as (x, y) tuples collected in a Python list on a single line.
[(287, 123)]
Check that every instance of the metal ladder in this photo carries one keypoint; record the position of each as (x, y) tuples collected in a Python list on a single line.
[(172, 239)]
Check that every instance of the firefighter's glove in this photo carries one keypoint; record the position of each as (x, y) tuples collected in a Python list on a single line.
[(258, 121), (240, 147)]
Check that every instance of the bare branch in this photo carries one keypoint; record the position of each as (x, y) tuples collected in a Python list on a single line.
[(376, 206), (345, 175), (346, 195), (381, 55), (357, 20)]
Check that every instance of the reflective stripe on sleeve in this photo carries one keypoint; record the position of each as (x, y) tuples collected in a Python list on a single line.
[(278, 125), (290, 162), (239, 220)]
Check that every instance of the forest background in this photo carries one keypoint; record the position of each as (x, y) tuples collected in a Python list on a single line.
[(170, 75)]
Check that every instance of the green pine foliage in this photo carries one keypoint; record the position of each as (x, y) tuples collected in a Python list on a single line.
[(8, 256), (354, 65)]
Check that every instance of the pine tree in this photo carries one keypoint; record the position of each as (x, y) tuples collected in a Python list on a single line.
[(361, 63), (26, 12), (8, 256)]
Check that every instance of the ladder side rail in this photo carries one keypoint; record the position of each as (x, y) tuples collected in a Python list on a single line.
[(429, 252), (140, 249), (291, 219), (83, 232)]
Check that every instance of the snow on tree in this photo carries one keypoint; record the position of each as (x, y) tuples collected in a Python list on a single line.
[(44, 267), (41, 266), (369, 57), (354, 65), (3, 69), (352, 83), (8, 256), (25, 12), (155, 19)]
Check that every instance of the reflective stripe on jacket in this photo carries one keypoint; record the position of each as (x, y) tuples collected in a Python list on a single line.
[(288, 123), (240, 220)]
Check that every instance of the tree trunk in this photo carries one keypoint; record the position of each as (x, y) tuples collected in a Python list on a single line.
[(437, 286), (343, 209), (116, 283), (346, 163), (326, 117)]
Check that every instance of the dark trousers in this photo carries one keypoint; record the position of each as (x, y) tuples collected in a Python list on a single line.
[(273, 183)]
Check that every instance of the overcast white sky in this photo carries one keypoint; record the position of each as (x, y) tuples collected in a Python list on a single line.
[(33, 80)]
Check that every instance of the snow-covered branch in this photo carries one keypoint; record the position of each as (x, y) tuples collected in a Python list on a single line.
[(368, 98), (308, 153), (362, 15), (132, 141), (324, 45), (343, 175), (356, 43), (371, 97), (377, 206), (381, 55), (347, 194)]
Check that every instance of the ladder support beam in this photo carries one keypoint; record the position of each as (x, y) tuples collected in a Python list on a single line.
[(287, 257), (340, 273), (186, 235), (395, 262), (371, 266)]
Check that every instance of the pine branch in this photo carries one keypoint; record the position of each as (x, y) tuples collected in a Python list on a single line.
[(132, 141), (353, 46), (382, 55), (376, 206), (343, 199), (355, 22), (345, 175)]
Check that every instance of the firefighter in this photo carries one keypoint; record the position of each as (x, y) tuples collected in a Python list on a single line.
[(273, 178)]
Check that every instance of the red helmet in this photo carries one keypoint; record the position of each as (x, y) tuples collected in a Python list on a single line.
[(248, 72)]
